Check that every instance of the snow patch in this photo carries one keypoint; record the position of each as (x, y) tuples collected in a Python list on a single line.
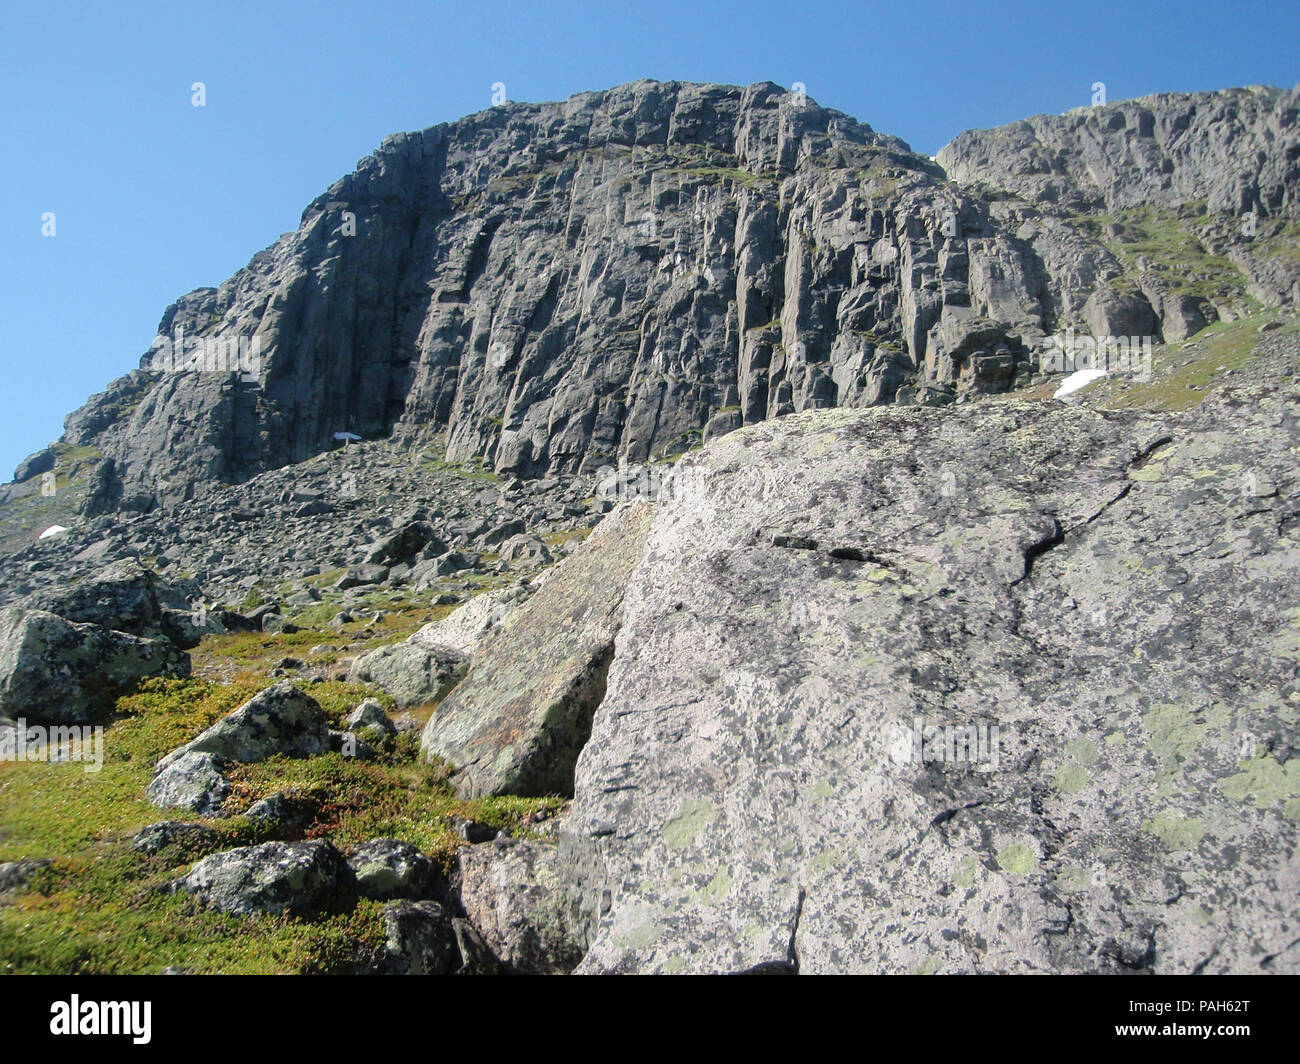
[(1079, 379)]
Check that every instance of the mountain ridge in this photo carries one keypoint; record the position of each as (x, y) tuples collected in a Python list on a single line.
[(520, 281)]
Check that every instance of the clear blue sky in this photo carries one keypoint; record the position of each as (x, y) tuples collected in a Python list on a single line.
[(154, 197)]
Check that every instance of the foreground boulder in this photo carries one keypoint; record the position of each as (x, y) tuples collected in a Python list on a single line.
[(390, 868), (512, 893), (283, 719), (422, 938), (54, 670), (275, 877), (517, 721), (194, 781), (1001, 689)]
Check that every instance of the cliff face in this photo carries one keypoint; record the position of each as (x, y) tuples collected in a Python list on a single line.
[(561, 286)]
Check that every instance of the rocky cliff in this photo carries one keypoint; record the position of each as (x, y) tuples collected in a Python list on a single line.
[(561, 286)]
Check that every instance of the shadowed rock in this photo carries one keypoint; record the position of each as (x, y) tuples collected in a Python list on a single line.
[(517, 721)]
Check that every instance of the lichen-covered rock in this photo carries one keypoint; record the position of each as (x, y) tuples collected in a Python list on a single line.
[(194, 781), (370, 721), (56, 671), (413, 673), (517, 721), (1007, 688), (14, 875), (512, 893), (282, 719), (275, 877), (421, 938), (389, 868), (156, 837)]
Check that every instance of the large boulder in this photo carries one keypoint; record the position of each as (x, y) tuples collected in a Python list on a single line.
[(464, 629), (128, 597), (275, 877), (283, 719), (413, 673), (512, 893), (54, 670), (194, 781), (517, 721), (1000, 689)]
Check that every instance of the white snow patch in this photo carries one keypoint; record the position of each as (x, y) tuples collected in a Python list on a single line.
[(1079, 379), (53, 530)]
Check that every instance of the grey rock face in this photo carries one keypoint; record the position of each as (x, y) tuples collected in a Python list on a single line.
[(517, 721), (1092, 193), (283, 719), (1168, 149), (512, 893), (390, 868), (795, 767), (34, 465), (52, 670), (193, 781), (735, 248), (412, 673), (275, 877)]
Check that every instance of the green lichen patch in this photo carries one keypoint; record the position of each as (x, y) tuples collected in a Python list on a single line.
[(690, 819)]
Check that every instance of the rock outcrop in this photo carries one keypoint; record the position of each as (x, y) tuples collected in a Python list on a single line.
[(1001, 689)]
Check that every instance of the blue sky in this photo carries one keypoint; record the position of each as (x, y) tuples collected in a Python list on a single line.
[(154, 197)]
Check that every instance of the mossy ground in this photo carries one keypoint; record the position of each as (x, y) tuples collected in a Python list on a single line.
[(1185, 374), (98, 908)]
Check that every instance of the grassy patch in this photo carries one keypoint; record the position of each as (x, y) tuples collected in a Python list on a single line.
[(99, 909), (1183, 375)]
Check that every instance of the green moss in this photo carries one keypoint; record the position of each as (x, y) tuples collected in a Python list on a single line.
[(98, 910)]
